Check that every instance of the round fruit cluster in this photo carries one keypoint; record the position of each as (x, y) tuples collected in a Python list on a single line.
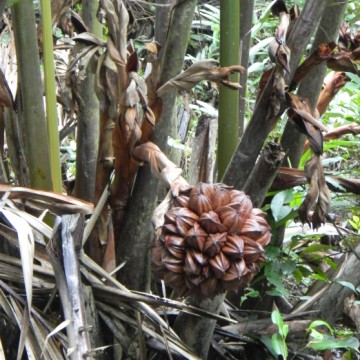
[(212, 241)]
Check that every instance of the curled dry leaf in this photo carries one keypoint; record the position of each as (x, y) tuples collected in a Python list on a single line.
[(202, 70), (322, 53), (318, 194), (153, 49), (6, 98), (301, 114), (57, 203), (279, 9), (161, 166), (333, 82), (349, 52)]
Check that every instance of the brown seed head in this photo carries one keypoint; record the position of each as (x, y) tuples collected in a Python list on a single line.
[(212, 241)]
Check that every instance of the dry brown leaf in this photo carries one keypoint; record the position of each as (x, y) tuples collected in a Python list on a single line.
[(61, 203), (333, 82), (279, 9), (114, 53), (318, 194), (202, 70), (322, 53), (6, 98), (301, 114)]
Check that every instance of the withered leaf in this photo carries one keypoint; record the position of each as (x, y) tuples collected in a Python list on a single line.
[(202, 70), (333, 82), (89, 38), (322, 53)]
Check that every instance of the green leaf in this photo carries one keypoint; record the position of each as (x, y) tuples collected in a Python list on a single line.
[(306, 272), (354, 224), (331, 263), (277, 319), (347, 284), (330, 342), (316, 335), (267, 342), (272, 252), (288, 267), (279, 204), (316, 247), (297, 200), (317, 323), (304, 158), (321, 277), (279, 345), (298, 275)]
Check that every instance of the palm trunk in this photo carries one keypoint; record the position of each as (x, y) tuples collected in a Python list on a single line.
[(264, 119), (228, 99), (246, 16), (134, 237), (292, 140), (88, 118), (50, 95), (32, 108)]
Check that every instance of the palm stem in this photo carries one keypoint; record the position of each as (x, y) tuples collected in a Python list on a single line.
[(229, 99), (50, 95)]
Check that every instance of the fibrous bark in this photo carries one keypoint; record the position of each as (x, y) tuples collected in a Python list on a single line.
[(202, 155), (264, 172), (246, 16), (196, 331), (135, 235), (292, 140), (88, 118), (263, 120)]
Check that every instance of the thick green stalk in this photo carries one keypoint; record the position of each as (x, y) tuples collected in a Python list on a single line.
[(229, 99), (50, 95), (31, 106)]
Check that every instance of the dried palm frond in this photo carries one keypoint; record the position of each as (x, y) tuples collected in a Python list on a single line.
[(202, 70), (114, 302), (57, 203), (318, 194)]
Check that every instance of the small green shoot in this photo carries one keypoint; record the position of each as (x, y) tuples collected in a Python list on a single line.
[(327, 338)]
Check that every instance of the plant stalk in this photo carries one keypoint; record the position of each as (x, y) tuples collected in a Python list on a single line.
[(229, 99), (50, 95), (31, 107)]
